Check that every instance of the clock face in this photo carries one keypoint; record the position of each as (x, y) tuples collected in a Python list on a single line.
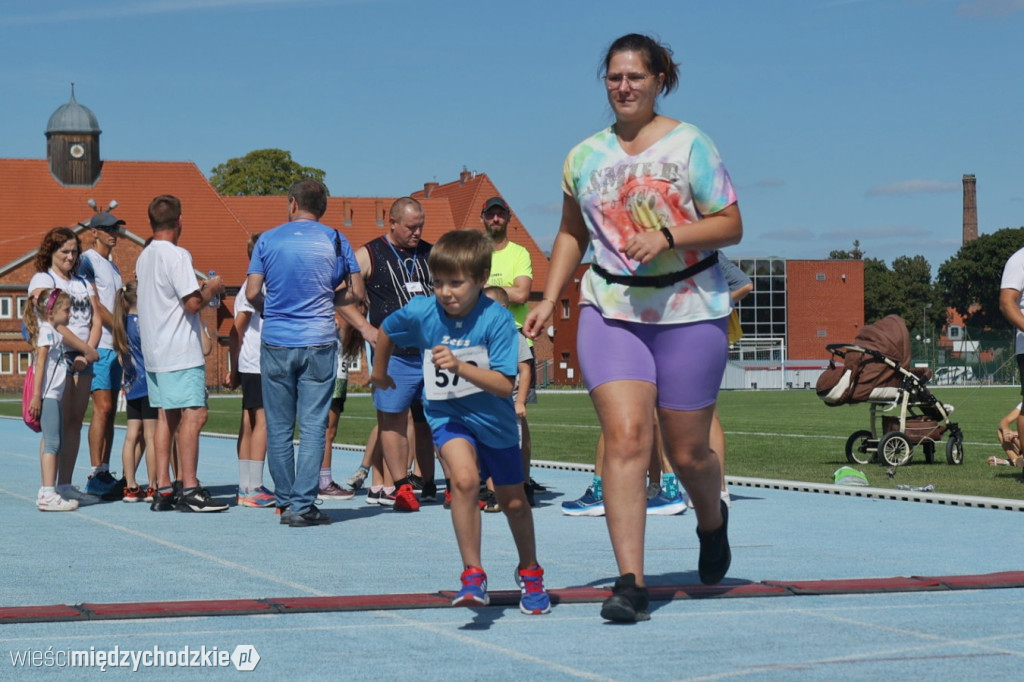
[(77, 151)]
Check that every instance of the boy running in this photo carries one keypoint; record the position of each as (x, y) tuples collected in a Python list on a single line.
[(470, 346)]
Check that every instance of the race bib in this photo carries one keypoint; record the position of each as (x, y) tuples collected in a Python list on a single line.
[(440, 384)]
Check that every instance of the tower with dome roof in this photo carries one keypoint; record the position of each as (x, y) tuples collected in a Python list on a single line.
[(73, 144)]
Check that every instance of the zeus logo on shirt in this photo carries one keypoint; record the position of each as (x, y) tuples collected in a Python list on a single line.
[(454, 343)]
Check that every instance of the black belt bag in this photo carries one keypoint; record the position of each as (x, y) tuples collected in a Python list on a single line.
[(658, 281)]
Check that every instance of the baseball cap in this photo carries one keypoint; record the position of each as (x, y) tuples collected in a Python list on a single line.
[(104, 220), (495, 201)]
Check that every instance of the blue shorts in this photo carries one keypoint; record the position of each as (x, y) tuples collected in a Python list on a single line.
[(177, 390), (504, 465), (106, 372), (407, 373), (69, 358), (685, 361)]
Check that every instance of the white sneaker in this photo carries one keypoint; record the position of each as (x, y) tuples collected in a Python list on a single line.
[(70, 492), (51, 501), (727, 499)]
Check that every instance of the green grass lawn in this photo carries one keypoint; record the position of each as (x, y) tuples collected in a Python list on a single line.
[(788, 435)]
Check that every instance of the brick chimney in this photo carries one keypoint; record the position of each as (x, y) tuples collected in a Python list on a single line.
[(428, 189), (465, 176), (970, 209)]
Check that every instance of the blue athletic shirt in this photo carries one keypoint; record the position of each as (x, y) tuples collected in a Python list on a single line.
[(489, 327), (302, 263)]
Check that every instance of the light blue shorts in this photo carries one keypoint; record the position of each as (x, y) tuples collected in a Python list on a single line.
[(106, 372), (407, 373), (177, 390)]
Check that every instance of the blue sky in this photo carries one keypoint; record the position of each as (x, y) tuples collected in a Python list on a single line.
[(837, 119)]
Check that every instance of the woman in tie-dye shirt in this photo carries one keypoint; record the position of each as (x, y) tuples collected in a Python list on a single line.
[(653, 198)]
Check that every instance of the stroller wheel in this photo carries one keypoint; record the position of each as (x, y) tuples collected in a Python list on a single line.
[(955, 449), (895, 448), (857, 448)]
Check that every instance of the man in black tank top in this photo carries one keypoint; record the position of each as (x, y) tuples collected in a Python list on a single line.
[(395, 270)]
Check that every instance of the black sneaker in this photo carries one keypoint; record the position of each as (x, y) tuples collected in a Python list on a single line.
[(715, 555), (429, 492), (489, 501), (116, 492), (534, 486), (162, 501), (415, 481), (199, 500), (311, 517), (177, 490), (628, 603)]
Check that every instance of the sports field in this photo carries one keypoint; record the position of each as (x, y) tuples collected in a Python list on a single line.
[(787, 435)]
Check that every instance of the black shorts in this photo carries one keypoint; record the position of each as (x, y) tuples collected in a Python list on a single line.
[(252, 391), (139, 408)]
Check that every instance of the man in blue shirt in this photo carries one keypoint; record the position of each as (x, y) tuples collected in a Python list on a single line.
[(309, 271)]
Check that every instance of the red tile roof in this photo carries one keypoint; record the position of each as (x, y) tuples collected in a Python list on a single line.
[(216, 228), (35, 202), (467, 196)]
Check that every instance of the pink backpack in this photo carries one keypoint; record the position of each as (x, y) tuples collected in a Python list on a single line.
[(27, 391)]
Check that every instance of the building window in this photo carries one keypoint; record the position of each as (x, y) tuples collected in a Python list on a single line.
[(6, 307), (22, 302), (565, 309), (24, 360), (7, 363), (820, 277), (821, 333), (955, 332)]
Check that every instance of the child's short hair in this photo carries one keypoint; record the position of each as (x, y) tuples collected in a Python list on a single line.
[(461, 251), (498, 294), (251, 244)]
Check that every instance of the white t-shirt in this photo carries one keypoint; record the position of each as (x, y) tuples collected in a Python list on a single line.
[(1013, 278), (105, 276), (81, 293), (249, 352), (56, 367), (171, 338)]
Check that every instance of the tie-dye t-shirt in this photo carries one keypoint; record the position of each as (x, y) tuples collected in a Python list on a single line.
[(676, 181)]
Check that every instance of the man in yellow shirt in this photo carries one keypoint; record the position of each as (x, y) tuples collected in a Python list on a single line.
[(512, 270)]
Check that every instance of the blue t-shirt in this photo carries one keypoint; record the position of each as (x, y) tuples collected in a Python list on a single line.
[(302, 263), (487, 334)]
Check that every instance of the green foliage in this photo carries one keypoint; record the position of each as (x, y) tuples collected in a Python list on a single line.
[(263, 172), (787, 435), (969, 281)]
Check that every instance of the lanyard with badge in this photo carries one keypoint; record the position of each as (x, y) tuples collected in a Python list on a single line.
[(412, 284)]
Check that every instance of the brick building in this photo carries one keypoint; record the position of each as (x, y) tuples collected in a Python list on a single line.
[(39, 194)]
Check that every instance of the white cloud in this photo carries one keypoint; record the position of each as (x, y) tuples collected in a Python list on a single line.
[(876, 232), (788, 234), (914, 187)]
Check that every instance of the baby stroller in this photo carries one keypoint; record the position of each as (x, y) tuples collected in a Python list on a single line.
[(875, 369)]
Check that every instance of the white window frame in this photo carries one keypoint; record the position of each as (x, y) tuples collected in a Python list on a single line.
[(24, 360), (20, 305), (7, 362), (6, 308)]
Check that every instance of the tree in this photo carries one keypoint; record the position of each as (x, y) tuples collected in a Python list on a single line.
[(855, 254), (969, 281), (262, 172)]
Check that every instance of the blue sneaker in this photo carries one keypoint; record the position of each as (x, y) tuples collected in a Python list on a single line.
[(534, 600), (100, 484), (474, 588), (663, 505), (588, 505)]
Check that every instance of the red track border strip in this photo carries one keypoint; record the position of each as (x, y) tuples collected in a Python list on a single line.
[(499, 598)]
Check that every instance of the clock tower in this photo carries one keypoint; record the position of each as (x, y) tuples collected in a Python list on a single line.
[(73, 144)]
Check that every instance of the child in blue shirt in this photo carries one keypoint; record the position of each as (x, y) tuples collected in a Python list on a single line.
[(470, 358)]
